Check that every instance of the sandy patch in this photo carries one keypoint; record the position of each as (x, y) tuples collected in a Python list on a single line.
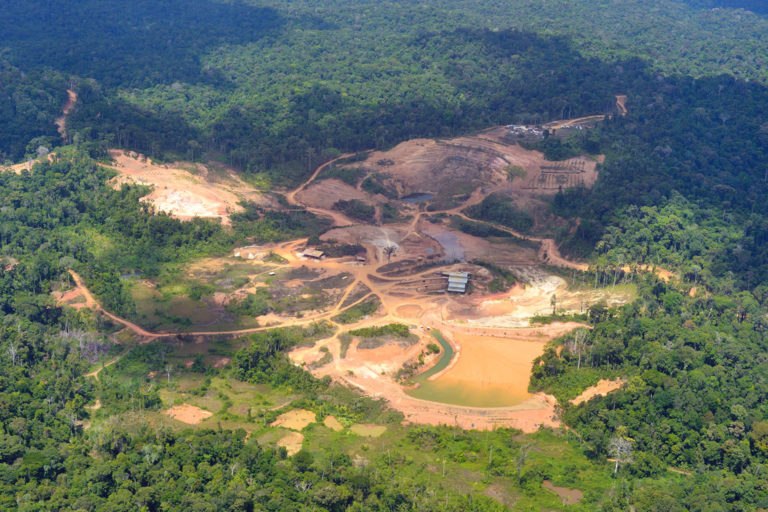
[(294, 420), (409, 311), (333, 424), (187, 413), (292, 442), (368, 430), (602, 388), (325, 193), (221, 362), (206, 192)]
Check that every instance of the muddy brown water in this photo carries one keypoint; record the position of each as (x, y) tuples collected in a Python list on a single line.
[(489, 372)]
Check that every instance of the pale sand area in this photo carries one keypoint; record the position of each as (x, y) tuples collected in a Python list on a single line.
[(294, 420), (187, 413)]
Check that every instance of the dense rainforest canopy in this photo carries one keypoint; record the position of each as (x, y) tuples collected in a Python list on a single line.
[(274, 88)]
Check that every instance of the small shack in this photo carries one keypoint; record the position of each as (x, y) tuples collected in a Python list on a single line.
[(314, 254), (457, 281)]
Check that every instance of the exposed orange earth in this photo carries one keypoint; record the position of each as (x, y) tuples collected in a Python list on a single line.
[(602, 388)]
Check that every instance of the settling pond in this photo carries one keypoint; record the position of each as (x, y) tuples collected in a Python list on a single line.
[(490, 372), (417, 197)]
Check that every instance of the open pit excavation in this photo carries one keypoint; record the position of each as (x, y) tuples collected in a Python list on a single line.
[(423, 257)]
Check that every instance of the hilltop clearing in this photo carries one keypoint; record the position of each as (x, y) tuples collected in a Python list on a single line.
[(442, 174), (186, 190)]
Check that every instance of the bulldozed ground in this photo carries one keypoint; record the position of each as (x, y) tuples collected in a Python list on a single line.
[(186, 190), (419, 190)]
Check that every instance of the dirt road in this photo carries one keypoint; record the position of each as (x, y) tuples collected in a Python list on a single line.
[(621, 104)]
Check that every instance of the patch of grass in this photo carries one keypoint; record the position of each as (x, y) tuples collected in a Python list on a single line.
[(400, 331), (358, 311), (390, 214), (501, 210), (375, 184), (356, 209), (344, 341), (559, 317), (502, 278), (479, 229), (349, 175), (327, 358)]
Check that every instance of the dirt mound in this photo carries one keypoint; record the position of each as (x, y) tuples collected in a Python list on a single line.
[(186, 190), (294, 420), (188, 414)]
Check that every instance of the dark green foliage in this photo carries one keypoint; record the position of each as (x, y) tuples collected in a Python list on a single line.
[(356, 209), (254, 304), (62, 215), (336, 250), (390, 330), (262, 225), (502, 278), (350, 176), (29, 104), (500, 210), (264, 360), (478, 229), (672, 348), (358, 311), (374, 184), (555, 149)]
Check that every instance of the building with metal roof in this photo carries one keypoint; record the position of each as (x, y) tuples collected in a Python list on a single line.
[(457, 281), (314, 253)]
